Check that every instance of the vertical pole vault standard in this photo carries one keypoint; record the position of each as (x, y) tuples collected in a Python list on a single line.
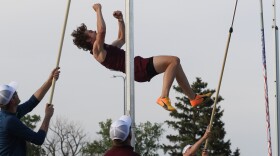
[(265, 83), (60, 49), (276, 48), (221, 74), (129, 65)]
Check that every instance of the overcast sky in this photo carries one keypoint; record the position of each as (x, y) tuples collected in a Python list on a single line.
[(195, 31)]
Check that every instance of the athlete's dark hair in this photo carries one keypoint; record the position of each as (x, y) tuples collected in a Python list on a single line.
[(80, 38)]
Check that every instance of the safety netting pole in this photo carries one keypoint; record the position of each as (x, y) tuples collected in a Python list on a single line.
[(60, 49), (221, 75)]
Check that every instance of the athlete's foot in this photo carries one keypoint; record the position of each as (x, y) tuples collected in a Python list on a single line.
[(165, 103), (204, 99)]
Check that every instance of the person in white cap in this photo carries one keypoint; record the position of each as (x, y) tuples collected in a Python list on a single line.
[(13, 133), (120, 133), (190, 150)]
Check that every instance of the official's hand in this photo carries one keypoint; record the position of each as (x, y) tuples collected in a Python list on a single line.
[(204, 153), (54, 74), (49, 110), (207, 133)]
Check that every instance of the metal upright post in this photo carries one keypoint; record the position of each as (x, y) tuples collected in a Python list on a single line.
[(129, 64), (276, 48), (124, 103)]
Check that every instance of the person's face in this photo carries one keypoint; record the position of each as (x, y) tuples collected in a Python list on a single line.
[(92, 36), (15, 98)]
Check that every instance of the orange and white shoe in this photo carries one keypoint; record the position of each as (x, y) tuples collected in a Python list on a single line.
[(204, 99), (165, 103)]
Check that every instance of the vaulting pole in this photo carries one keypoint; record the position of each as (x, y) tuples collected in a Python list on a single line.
[(221, 75), (60, 49)]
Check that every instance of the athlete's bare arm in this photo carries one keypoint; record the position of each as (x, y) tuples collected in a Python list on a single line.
[(101, 31), (121, 34)]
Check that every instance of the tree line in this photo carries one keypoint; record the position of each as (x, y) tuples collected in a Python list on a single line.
[(68, 138)]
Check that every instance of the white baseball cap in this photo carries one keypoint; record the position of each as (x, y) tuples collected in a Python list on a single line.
[(7, 91), (186, 148), (120, 129)]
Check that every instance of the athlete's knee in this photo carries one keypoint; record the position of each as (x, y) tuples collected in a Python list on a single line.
[(175, 60)]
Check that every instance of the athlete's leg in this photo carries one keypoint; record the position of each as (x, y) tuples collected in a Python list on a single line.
[(168, 66), (171, 67), (184, 83)]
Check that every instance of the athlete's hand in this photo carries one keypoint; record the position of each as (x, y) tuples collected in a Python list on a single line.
[(96, 7), (118, 15)]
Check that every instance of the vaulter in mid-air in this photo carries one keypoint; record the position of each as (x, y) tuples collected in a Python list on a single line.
[(113, 57)]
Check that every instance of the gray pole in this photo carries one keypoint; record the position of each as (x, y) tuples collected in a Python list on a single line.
[(276, 48), (124, 103), (129, 65)]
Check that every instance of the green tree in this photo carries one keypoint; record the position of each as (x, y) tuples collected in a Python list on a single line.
[(147, 139), (191, 123), (31, 122), (99, 147), (236, 152)]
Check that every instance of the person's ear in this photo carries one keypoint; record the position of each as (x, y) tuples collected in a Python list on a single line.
[(88, 40), (12, 100)]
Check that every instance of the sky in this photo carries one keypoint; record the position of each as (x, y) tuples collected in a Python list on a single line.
[(195, 31)]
